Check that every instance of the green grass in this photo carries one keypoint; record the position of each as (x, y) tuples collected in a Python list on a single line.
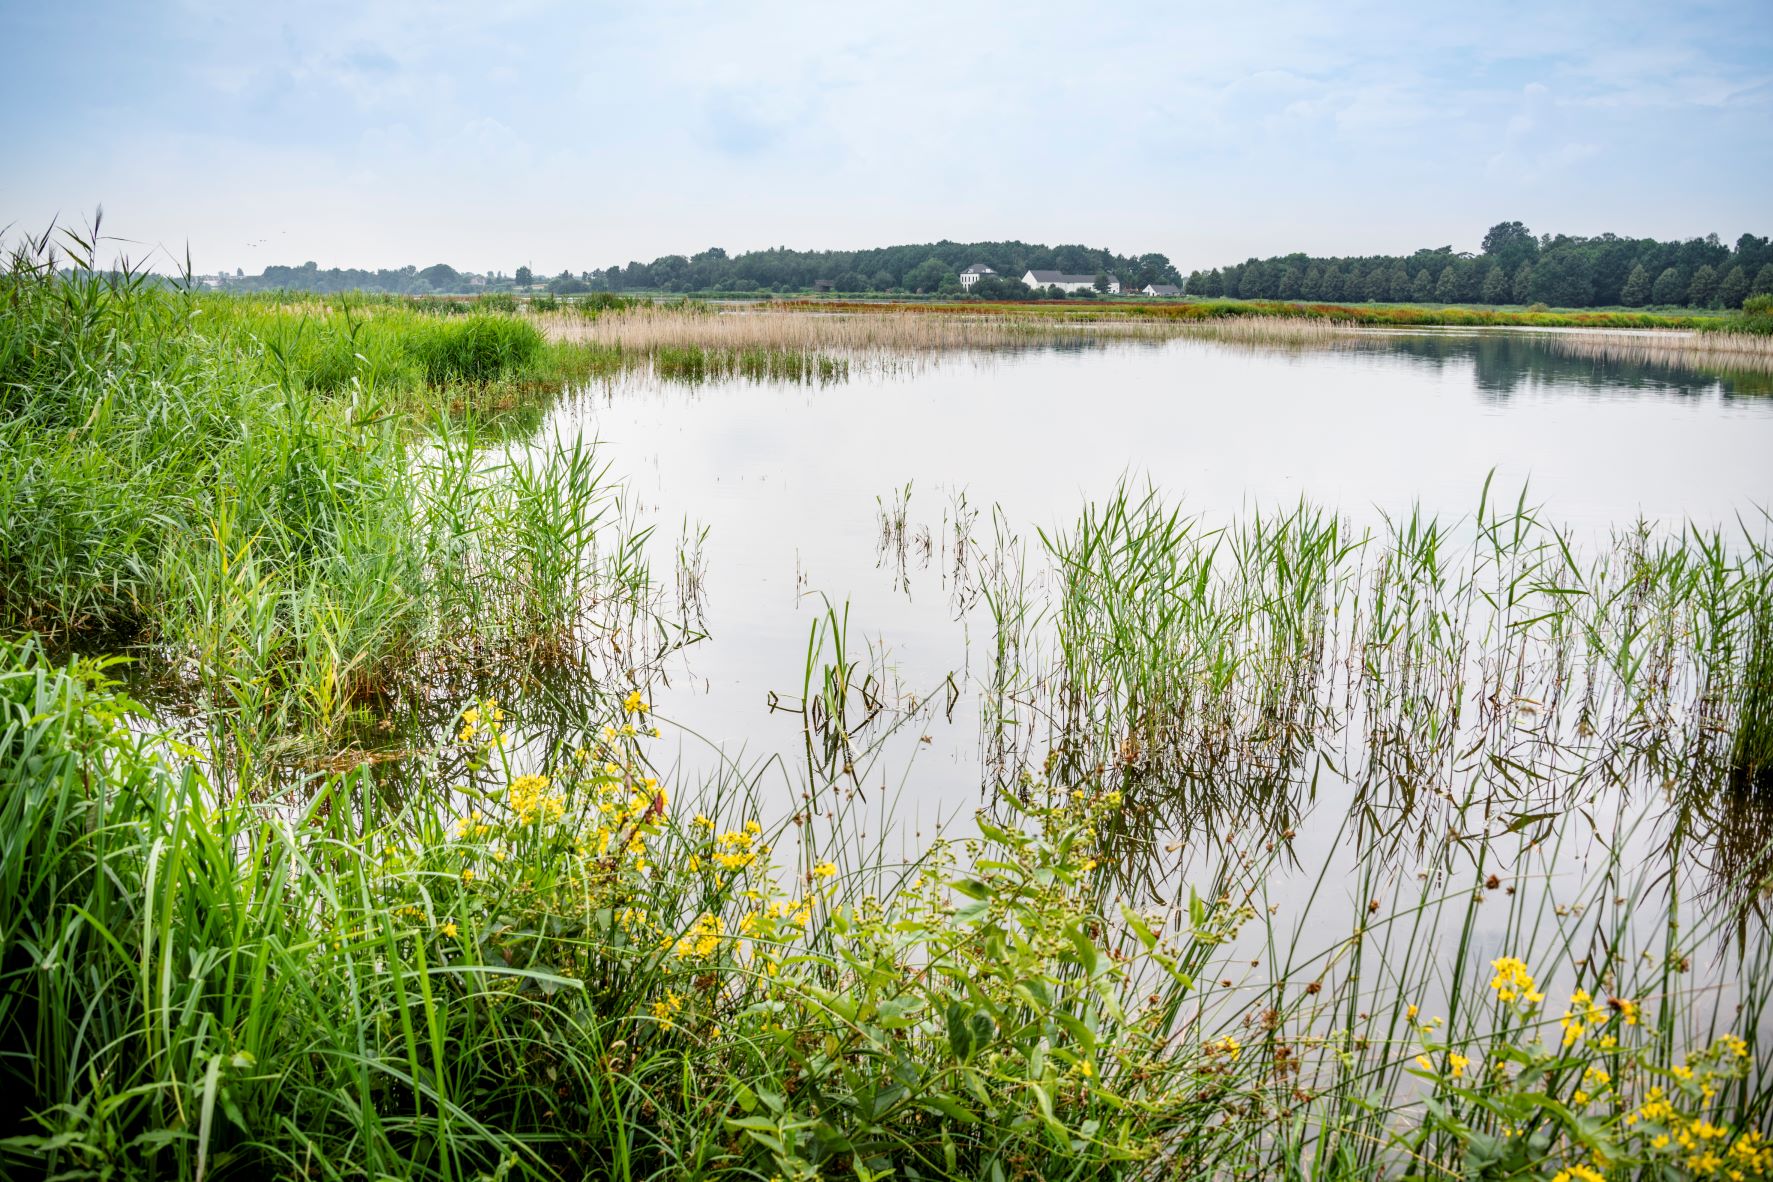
[(488, 974)]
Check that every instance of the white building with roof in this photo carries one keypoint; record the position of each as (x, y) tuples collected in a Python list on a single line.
[(1068, 283), (974, 273)]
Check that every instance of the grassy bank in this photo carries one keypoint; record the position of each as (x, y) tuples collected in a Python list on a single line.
[(579, 973)]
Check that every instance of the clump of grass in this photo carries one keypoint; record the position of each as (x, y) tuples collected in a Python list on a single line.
[(694, 364), (477, 349), (538, 972)]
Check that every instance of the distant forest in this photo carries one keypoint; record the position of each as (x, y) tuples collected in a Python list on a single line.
[(928, 267), (1516, 268)]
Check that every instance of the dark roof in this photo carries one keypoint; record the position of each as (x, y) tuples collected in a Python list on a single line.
[(978, 269), (1163, 289), (1061, 277)]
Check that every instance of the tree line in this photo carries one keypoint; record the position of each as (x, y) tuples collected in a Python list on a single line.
[(1514, 267), (918, 268)]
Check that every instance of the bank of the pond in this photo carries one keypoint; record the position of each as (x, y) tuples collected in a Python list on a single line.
[(587, 973)]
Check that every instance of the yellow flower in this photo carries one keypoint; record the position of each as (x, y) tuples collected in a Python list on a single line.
[(1458, 1063), (667, 1008), (529, 799), (1579, 1174), (1513, 981), (824, 870), (449, 929), (634, 703), (467, 876), (1411, 1013)]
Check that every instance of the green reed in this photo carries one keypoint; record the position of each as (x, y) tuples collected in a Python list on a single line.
[(489, 973)]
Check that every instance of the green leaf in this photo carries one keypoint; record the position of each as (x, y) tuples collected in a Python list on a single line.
[(960, 1034)]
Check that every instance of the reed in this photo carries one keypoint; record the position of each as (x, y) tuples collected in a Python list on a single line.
[(577, 971)]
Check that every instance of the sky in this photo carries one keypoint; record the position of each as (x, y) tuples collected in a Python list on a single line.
[(580, 135)]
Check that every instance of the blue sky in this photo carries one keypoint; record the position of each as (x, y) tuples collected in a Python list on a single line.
[(578, 135)]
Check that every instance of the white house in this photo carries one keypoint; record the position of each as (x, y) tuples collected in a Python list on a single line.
[(974, 273), (1068, 283), (1161, 289)]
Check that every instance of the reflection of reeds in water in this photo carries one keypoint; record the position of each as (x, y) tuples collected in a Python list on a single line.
[(1464, 684), (801, 334), (653, 328), (1700, 350)]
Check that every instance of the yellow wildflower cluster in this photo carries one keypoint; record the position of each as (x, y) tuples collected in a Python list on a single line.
[(1579, 1174), (1513, 982), (1685, 1139), (703, 938), (531, 799), (1595, 1080), (824, 870), (473, 825), (738, 848), (482, 725), (1583, 1016), (1456, 1064), (763, 921), (666, 1009)]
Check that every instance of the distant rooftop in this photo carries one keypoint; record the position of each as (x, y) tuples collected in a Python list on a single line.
[(978, 269), (1062, 277)]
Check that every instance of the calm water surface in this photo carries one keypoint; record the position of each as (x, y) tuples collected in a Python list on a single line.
[(791, 483)]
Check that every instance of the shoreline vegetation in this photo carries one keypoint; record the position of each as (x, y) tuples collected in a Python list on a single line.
[(510, 943)]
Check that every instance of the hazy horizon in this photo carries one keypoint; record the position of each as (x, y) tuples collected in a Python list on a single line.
[(407, 134)]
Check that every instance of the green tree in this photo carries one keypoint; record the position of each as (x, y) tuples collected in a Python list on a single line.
[(1422, 288), (1521, 289), (927, 275), (441, 277), (1703, 288), (1290, 283), (1636, 292), (1734, 288), (1763, 284), (1495, 288), (883, 281), (1669, 287), (1563, 279), (1510, 244), (1398, 288), (1331, 287), (1446, 289), (525, 277)]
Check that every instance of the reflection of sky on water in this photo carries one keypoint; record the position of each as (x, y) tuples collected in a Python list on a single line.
[(790, 481)]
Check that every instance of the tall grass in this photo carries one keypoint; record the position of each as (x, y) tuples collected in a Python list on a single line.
[(242, 489), (576, 971)]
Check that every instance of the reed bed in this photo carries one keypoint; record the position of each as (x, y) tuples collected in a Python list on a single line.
[(1710, 351), (652, 328)]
